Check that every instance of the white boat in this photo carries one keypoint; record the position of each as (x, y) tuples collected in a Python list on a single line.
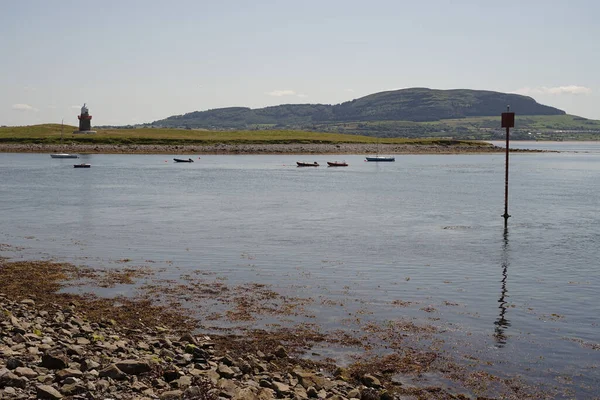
[(381, 158), (64, 155)]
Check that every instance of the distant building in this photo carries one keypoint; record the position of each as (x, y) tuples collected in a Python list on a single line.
[(85, 121)]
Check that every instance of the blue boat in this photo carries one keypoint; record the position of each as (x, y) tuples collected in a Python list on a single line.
[(381, 158)]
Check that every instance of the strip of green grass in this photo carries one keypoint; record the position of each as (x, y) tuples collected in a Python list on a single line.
[(51, 134)]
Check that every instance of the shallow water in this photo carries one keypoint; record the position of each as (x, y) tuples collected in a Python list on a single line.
[(425, 229)]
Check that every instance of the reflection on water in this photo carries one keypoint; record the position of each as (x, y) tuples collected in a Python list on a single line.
[(346, 234), (502, 323)]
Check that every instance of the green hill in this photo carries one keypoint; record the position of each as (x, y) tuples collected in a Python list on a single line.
[(415, 105)]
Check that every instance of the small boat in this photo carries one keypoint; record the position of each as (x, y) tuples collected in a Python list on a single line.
[(64, 155), (81, 165), (182, 160), (305, 164), (337, 163), (381, 158)]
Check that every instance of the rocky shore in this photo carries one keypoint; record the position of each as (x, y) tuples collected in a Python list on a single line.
[(57, 353), (224, 148), (65, 345)]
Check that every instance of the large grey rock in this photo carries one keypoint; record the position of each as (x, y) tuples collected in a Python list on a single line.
[(48, 392), (280, 388), (26, 372), (68, 373), (172, 395), (112, 371), (225, 371), (10, 379), (227, 388), (134, 367)]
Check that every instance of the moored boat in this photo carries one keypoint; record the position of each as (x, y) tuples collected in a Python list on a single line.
[(337, 163), (64, 155), (381, 158), (305, 164), (182, 160), (82, 166)]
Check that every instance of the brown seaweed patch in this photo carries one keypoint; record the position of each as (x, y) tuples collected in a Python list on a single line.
[(43, 281)]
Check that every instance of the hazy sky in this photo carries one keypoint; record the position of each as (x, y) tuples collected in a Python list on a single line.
[(139, 61)]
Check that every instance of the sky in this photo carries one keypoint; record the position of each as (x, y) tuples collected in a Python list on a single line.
[(137, 61)]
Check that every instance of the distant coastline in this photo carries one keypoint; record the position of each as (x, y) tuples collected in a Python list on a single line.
[(239, 148)]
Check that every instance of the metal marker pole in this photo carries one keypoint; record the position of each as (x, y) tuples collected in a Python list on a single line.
[(508, 120), (506, 179)]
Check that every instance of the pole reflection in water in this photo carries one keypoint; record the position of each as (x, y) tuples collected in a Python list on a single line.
[(502, 323)]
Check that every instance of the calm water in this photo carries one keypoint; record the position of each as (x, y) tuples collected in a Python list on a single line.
[(426, 229)]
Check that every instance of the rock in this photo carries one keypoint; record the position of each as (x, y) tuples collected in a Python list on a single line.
[(244, 394), (55, 361), (182, 383), (188, 338), (48, 392), (280, 388), (88, 364), (10, 379), (81, 341), (134, 367), (311, 392), (225, 371), (172, 395), (71, 379), (265, 394), (171, 375), (19, 338), (26, 372), (28, 302), (308, 379), (112, 371), (371, 381), (73, 389), (9, 391), (102, 385), (13, 363), (68, 372), (280, 352), (227, 388), (139, 386), (300, 392), (385, 395)]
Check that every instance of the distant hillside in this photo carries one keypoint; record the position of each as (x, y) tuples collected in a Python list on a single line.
[(413, 105)]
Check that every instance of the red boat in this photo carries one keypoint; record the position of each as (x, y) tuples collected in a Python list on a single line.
[(305, 164), (337, 163)]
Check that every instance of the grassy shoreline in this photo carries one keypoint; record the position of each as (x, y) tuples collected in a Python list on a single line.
[(50, 138), (244, 148)]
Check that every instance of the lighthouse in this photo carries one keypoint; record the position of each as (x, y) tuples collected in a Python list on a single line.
[(85, 121)]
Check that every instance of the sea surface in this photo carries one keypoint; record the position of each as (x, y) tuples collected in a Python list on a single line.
[(426, 229)]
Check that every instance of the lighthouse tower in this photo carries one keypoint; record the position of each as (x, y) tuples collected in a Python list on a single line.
[(85, 121)]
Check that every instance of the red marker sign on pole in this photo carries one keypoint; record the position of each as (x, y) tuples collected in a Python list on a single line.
[(508, 121)]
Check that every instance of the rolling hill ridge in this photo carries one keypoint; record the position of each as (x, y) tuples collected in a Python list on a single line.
[(415, 105)]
